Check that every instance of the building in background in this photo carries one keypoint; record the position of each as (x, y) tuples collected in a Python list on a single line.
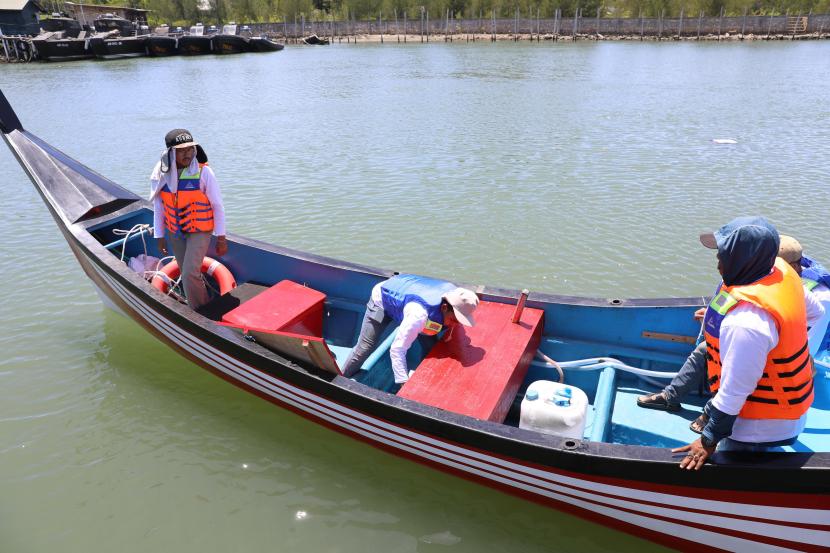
[(20, 17)]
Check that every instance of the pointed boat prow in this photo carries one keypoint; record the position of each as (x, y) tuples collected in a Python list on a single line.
[(8, 118), (75, 192)]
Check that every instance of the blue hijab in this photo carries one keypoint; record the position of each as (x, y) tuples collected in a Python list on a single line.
[(747, 247)]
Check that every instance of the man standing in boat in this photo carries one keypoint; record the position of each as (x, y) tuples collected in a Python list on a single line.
[(420, 305), (187, 210), (758, 361)]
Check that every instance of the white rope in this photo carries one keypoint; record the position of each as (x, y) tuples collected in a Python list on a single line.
[(140, 228)]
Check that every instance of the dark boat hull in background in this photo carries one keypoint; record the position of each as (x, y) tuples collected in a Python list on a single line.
[(115, 48), (66, 49), (159, 46), (263, 44), (192, 45), (229, 44)]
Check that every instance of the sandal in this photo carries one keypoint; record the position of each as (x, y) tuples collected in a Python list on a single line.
[(699, 423)]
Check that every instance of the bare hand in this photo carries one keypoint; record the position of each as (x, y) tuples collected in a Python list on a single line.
[(697, 455), (447, 334), (700, 313), (221, 246), (162, 245)]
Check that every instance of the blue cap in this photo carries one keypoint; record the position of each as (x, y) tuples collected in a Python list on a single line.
[(564, 392), (532, 395)]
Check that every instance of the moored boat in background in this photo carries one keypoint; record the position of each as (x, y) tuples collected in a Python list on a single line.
[(228, 41), (263, 44), (162, 42), (618, 472), (195, 42), (118, 38)]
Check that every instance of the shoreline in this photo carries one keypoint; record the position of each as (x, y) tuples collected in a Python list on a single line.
[(489, 37)]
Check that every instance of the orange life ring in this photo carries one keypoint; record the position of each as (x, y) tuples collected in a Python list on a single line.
[(210, 267)]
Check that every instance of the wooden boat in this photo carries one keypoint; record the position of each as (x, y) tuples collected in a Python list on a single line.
[(315, 40), (228, 42), (619, 472)]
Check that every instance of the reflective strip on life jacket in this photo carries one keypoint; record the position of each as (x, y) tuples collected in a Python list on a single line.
[(785, 389)]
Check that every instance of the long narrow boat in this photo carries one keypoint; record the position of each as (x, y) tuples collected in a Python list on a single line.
[(618, 470)]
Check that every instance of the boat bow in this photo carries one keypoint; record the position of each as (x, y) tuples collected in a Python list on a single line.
[(74, 190)]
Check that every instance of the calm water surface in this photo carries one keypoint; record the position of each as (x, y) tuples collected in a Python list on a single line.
[(582, 169)]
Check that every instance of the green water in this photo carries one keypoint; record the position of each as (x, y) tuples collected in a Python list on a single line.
[(582, 169)]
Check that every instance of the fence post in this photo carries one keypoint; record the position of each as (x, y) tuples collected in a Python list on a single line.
[(642, 25), (699, 19), (596, 29), (680, 28), (743, 26), (493, 38), (576, 23)]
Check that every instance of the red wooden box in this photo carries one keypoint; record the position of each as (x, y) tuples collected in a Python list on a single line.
[(286, 307)]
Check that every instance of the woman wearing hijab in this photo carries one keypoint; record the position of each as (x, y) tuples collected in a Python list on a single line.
[(187, 210), (758, 362)]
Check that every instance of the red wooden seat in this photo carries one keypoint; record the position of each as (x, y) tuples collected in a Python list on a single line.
[(287, 318), (479, 371), (285, 306)]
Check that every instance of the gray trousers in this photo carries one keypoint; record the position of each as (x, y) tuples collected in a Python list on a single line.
[(189, 249), (374, 324), (690, 376)]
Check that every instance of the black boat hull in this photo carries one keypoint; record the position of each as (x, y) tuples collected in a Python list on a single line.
[(262, 44), (115, 48), (229, 44), (68, 49), (195, 45), (160, 46)]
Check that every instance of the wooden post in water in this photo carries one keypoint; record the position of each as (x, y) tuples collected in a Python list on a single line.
[(596, 25), (380, 26), (642, 25), (516, 26), (493, 37), (404, 26), (680, 28), (743, 26), (397, 29), (422, 24), (699, 19), (427, 25), (556, 25), (769, 29), (660, 25), (576, 23), (447, 27), (720, 22)]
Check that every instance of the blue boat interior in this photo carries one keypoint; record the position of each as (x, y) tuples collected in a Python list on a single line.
[(572, 331)]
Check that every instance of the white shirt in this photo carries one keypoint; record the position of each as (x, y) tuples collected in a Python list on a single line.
[(415, 318), (747, 335), (819, 327), (208, 184)]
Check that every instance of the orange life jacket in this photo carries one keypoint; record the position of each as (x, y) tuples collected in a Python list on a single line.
[(785, 390), (188, 210)]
